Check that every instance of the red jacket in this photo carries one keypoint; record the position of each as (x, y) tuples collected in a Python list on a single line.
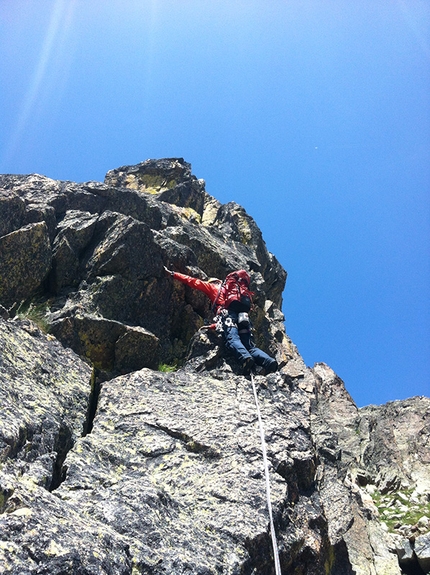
[(211, 288), (236, 289)]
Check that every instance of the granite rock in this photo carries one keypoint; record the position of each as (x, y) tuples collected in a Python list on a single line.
[(111, 466)]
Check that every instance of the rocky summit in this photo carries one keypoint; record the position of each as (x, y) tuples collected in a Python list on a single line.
[(129, 438)]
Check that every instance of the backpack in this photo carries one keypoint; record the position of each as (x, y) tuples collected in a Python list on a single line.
[(234, 293)]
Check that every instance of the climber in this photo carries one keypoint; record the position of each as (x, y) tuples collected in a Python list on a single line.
[(231, 302)]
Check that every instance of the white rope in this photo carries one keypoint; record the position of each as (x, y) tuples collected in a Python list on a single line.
[(266, 472)]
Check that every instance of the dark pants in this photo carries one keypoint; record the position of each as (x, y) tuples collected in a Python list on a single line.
[(241, 344)]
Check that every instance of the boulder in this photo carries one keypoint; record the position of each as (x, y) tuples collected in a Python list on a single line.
[(110, 346), (169, 179), (25, 260), (12, 212), (45, 394), (74, 233), (422, 551)]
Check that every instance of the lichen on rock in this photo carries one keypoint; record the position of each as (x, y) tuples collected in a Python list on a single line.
[(110, 466)]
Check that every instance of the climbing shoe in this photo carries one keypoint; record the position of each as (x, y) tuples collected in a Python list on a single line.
[(271, 368), (247, 366)]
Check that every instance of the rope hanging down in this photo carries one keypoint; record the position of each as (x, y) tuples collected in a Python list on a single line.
[(266, 473)]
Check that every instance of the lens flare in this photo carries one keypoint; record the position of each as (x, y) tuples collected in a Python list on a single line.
[(58, 26)]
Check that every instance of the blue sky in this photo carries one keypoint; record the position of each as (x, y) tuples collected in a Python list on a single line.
[(313, 115)]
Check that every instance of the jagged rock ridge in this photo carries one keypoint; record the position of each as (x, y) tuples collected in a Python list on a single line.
[(109, 466)]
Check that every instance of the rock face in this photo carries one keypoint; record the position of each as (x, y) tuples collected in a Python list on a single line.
[(102, 276), (112, 463)]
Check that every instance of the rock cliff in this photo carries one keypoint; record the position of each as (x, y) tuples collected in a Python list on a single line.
[(129, 440)]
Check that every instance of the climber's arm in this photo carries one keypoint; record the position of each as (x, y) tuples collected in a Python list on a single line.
[(208, 288)]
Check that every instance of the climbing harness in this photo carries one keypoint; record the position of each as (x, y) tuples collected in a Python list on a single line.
[(222, 320), (266, 473)]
